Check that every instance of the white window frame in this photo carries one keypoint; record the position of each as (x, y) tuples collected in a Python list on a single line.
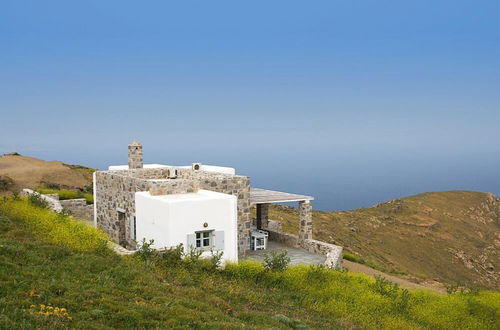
[(201, 238)]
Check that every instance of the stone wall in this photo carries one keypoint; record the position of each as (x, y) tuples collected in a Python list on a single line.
[(282, 237), (79, 208), (333, 253), (54, 203), (115, 191)]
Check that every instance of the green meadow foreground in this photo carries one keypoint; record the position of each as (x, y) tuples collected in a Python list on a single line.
[(57, 272)]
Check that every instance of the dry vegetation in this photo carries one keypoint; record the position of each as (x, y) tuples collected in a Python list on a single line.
[(19, 172), (451, 237)]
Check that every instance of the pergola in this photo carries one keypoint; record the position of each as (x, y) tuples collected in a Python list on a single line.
[(262, 198)]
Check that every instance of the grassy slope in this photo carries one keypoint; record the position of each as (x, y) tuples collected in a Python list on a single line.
[(106, 291), (30, 172), (102, 290), (445, 236)]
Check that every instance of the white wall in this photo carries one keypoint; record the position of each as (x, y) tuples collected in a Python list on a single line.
[(169, 219), (215, 169)]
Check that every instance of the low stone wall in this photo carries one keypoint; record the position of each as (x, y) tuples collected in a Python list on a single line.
[(54, 204), (333, 253), (284, 238), (79, 208)]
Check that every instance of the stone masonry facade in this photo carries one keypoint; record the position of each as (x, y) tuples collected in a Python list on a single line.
[(115, 197)]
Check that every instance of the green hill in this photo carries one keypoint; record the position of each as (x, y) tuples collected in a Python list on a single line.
[(56, 273), (451, 237)]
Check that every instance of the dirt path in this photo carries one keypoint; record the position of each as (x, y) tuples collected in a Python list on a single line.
[(358, 268)]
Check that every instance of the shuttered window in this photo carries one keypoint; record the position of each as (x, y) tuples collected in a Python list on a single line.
[(206, 240)]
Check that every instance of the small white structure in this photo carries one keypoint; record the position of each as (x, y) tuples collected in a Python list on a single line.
[(204, 220)]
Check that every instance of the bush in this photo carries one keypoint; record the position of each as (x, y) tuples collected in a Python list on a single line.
[(6, 183), (53, 227), (145, 252), (276, 261), (385, 287), (38, 201), (173, 256)]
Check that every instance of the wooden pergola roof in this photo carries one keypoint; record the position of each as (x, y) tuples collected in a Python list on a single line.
[(263, 196)]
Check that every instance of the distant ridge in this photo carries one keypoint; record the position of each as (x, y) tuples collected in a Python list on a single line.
[(28, 172)]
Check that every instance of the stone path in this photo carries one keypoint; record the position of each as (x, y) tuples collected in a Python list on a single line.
[(297, 256)]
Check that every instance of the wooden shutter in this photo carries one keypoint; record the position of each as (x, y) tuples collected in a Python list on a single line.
[(219, 240), (132, 227), (191, 242)]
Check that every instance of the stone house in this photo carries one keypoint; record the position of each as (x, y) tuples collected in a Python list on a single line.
[(203, 207)]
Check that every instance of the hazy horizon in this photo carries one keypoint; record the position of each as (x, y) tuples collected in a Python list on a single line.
[(353, 103)]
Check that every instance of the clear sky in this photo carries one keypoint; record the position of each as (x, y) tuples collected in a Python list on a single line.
[(354, 102)]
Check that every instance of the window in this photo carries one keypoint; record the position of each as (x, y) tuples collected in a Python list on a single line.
[(204, 239)]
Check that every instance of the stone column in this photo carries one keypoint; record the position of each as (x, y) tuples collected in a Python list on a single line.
[(262, 216), (305, 220), (135, 159)]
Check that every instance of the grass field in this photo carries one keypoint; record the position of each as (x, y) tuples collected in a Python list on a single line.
[(50, 282)]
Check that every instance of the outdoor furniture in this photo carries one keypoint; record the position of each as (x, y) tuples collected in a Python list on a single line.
[(258, 239)]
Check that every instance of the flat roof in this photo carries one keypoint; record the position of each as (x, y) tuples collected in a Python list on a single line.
[(263, 196), (199, 195)]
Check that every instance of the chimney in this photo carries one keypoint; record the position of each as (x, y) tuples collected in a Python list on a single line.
[(135, 155)]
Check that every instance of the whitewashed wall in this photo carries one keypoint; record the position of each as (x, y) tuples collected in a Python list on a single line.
[(170, 219)]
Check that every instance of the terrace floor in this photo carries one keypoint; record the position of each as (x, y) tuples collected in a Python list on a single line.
[(297, 256)]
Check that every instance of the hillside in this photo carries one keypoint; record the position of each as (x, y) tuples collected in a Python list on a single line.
[(17, 172), (451, 237), (62, 276)]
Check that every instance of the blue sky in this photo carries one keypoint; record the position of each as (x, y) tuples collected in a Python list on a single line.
[(351, 101)]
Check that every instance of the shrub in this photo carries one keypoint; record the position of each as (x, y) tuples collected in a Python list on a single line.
[(53, 227), (6, 183), (276, 261), (89, 198), (216, 259), (145, 252), (173, 256), (38, 201), (385, 287)]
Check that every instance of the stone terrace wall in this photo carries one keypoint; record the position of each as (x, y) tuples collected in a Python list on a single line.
[(282, 237), (333, 253), (79, 208), (116, 190)]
